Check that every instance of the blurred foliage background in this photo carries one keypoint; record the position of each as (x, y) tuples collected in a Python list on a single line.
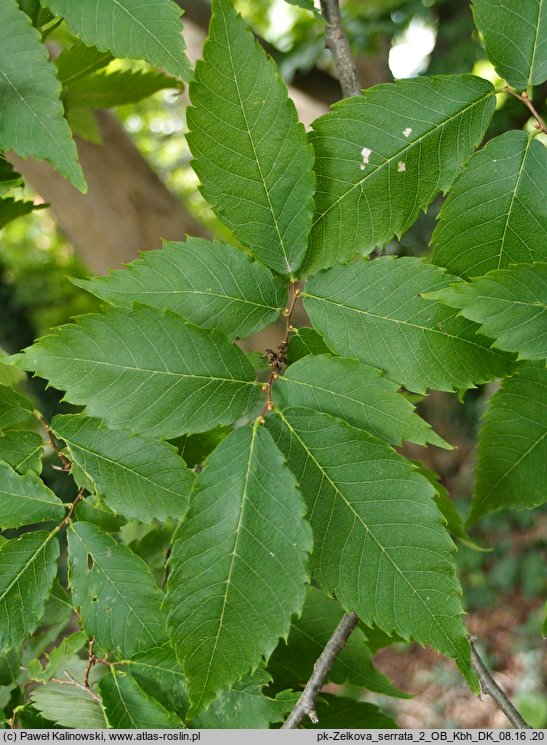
[(390, 38)]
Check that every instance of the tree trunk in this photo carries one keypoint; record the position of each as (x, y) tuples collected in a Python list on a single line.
[(127, 208)]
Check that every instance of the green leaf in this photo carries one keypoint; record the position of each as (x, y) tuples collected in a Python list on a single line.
[(373, 311), (238, 564), (511, 305), (147, 371), (345, 713), (25, 499), (195, 448), (69, 706), (9, 375), (379, 541), (159, 675), (357, 393), (32, 122), (79, 61), (9, 178), (475, 235), (11, 209), (10, 667), (58, 657), (93, 510), (28, 566), (515, 38), (245, 706), (250, 151), (136, 476), (15, 409), (384, 156), (118, 599), (84, 124), (22, 450), (303, 342), (127, 706), (292, 662), (211, 284), (106, 89), (308, 5), (140, 29), (511, 468)]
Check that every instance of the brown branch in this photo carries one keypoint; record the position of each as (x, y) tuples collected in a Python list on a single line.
[(540, 124), (490, 687), (92, 660), (52, 441), (338, 45), (305, 706), (278, 358)]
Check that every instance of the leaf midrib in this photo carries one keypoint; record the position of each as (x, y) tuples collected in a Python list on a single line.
[(374, 538), (387, 162)]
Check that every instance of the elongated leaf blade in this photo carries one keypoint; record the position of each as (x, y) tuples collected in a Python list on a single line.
[(127, 706), (146, 371), (22, 450), (475, 235), (356, 393), (380, 543), (11, 209), (28, 566), (515, 37), (105, 89), (293, 661), (69, 706), (250, 151), (511, 306), (383, 156), (140, 29), (159, 675), (32, 122), (137, 477), (15, 409), (118, 599), (79, 61), (211, 284), (512, 452), (373, 311), (245, 706), (238, 564), (25, 499)]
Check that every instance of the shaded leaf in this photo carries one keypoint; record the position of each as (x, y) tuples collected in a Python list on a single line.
[(127, 706), (373, 311), (93, 510), (158, 674), (292, 662), (28, 566), (106, 89), (79, 61), (140, 29), (32, 122), (57, 658), (136, 476), (238, 564), (211, 284), (356, 393), (25, 499), (345, 713), (379, 541), (511, 470), (510, 304), (147, 371), (195, 448), (22, 450), (9, 178), (11, 209), (69, 706), (515, 37), (303, 342), (15, 409), (384, 156), (118, 599), (245, 706), (475, 235), (250, 151)]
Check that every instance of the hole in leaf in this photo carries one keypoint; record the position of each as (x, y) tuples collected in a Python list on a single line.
[(89, 562)]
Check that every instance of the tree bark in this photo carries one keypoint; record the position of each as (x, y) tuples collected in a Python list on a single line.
[(127, 208)]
